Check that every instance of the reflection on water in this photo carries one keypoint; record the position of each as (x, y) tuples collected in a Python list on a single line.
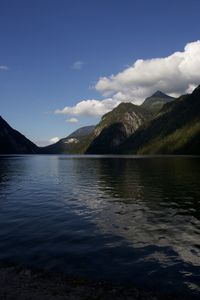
[(131, 219)]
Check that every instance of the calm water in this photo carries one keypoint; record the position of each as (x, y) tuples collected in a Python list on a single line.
[(133, 220)]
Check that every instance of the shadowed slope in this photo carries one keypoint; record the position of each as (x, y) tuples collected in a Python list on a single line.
[(176, 130), (13, 142)]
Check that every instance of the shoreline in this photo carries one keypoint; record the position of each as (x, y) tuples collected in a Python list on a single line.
[(28, 283)]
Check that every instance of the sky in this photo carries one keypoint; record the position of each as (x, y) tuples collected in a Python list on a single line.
[(64, 63)]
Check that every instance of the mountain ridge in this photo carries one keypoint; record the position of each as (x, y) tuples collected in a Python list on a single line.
[(74, 143), (127, 129), (13, 142), (155, 102), (176, 129), (116, 126)]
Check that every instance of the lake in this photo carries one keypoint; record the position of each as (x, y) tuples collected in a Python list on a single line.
[(128, 219)]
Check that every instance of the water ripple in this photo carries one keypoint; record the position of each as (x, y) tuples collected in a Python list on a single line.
[(116, 218)]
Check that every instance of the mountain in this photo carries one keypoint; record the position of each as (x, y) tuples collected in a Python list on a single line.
[(77, 142), (156, 102), (83, 131), (127, 129), (13, 142), (176, 130), (116, 126)]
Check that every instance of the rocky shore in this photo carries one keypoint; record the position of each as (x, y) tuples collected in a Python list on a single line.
[(18, 282)]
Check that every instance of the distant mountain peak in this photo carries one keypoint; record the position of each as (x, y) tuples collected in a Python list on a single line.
[(75, 143), (159, 94), (82, 131), (155, 102), (176, 130)]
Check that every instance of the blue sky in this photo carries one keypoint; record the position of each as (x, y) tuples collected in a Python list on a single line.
[(53, 54)]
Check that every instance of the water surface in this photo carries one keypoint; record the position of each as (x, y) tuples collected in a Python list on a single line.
[(123, 219)]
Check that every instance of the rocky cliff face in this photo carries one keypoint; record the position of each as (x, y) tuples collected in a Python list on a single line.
[(176, 130), (116, 126), (13, 142), (127, 129)]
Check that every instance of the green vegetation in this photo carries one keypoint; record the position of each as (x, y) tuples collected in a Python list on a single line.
[(116, 126), (76, 143), (176, 130), (127, 129), (176, 142), (132, 129), (156, 102)]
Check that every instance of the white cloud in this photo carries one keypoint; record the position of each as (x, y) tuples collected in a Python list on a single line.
[(88, 108), (54, 140), (175, 74), (4, 68), (78, 65), (72, 120)]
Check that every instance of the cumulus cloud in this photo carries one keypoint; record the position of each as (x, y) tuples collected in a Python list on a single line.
[(54, 140), (175, 74), (72, 120), (88, 108), (4, 68), (78, 65)]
